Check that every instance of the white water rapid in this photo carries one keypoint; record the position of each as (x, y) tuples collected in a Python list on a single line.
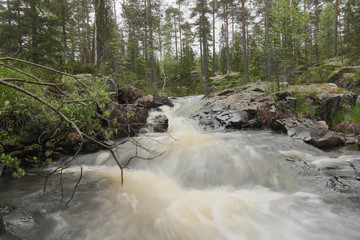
[(241, 185)]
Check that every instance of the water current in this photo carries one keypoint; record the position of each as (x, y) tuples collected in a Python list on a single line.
[(206, 184)]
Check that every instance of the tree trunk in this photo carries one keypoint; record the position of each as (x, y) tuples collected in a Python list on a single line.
[(204, 43), (244, 43), (63, 26), (19, 25), (34, 32), (317, 17), (213, 57), (180, 32), (152, 59), (87, 31), (336, 27), (267, 41), (100, 29), (146, 45), (306, 35), (176, 40), (227, 42), (201, 51)]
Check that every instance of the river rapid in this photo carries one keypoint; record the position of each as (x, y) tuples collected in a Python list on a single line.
[(206, 184)]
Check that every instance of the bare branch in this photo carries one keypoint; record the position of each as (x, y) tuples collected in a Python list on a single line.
[(77, 183), (22, 72), (46, 68)]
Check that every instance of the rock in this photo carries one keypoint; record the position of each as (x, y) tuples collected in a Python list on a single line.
[(129, 118), (17, 153), (147, 101), (311, 132), (33, 150), (159, 123), (162, 99), (154, 101), (325, 99), (128, 94), (245, 109), (345, 78), (17, 222), (351, 139), (13, 146), (49, 145)]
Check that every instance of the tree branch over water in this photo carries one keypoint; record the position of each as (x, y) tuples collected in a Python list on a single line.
[(82, 107)]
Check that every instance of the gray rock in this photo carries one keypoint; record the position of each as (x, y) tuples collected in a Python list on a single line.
[(311, 132), (18, 222), (160, 123), (237, 110)]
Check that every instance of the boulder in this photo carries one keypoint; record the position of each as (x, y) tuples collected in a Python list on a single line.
[(147, 101), (351, 139), (129, 118), (325, 99), (154, 101), (311, 132), (249, 108), (345, 78), (128, 94), (16, 221), (162, 99), (33, 149), (12, 146), (159, 123)]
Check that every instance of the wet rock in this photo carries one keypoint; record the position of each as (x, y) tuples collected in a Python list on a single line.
[(159, 123), (128, 94), (311, 132), (245, 109), (351, 139), (17, 222)]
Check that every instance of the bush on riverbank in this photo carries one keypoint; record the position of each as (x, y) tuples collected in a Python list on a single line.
[(30, 123)]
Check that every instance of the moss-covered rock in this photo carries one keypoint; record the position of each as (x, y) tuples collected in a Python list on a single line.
[(346, 77)]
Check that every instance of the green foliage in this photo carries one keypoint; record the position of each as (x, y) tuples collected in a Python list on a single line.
[(352, 23), (326, 34), (273, 87), (12, 163), (304, 108), (313, 74)]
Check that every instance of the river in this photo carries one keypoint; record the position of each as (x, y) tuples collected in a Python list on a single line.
[(205, 185)]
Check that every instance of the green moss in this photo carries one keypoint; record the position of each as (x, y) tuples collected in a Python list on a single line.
[(313, 74)]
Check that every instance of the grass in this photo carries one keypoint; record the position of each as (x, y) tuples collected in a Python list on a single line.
[(352, 115)]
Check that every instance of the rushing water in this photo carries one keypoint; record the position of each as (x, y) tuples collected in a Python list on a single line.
[(205, 185)]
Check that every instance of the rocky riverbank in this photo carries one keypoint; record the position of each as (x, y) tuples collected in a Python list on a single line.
[(127, 115), (255, 107)]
